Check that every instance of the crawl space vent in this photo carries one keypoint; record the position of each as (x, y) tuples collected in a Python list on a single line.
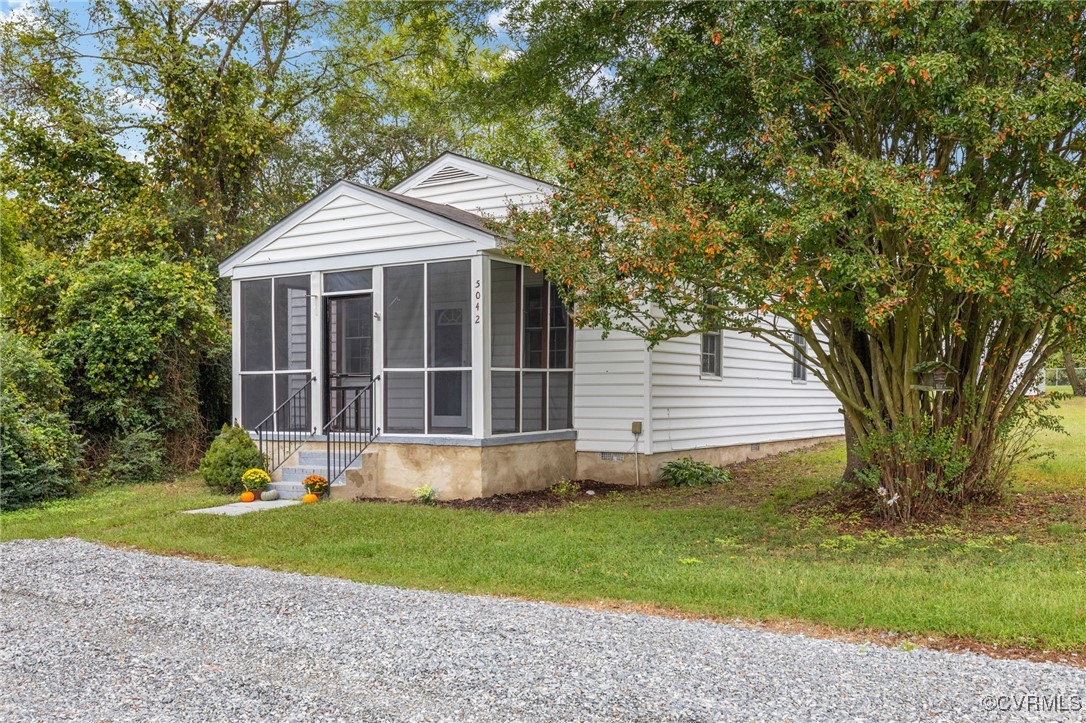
[(449, 174), (612, 456)]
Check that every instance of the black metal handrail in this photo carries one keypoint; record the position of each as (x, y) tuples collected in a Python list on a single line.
[(350, 431), (287, 428)]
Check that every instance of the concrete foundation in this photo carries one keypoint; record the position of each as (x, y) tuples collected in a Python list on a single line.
[(394, 470), (620, 469)]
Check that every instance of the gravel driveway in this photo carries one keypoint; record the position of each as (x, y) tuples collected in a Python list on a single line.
[(93, 633)]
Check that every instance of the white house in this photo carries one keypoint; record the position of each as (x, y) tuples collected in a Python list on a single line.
[(382, 339)]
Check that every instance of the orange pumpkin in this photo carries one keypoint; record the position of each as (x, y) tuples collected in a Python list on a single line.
[(309, 498), (247, 496)]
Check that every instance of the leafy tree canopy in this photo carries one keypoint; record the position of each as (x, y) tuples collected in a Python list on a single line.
[(899, 184), (419, 86)]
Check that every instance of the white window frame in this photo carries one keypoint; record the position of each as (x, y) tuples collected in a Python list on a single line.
[(520, 370), (239, 413), (719, 371), (799, 363)]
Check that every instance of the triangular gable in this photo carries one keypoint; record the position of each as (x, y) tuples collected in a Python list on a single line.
[(345, 194), (451, 168)]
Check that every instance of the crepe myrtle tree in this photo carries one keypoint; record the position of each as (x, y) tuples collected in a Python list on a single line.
[(898, 185)]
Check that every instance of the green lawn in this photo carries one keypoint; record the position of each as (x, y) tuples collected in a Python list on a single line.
[(1067, 469), (762, 547)]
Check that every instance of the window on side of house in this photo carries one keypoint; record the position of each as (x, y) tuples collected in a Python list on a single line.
[(531, 353), (799, 363), (712, 348)]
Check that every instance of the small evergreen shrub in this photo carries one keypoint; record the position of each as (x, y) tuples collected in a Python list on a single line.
[(135, 457), (231, 454), (687, 472)]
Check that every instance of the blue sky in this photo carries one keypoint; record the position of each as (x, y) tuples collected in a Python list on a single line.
[(131, 142)]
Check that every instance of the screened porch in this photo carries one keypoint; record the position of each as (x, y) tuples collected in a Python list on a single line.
[(462, 348)]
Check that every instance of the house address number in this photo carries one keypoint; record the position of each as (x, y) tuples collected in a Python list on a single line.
[(478, 301)]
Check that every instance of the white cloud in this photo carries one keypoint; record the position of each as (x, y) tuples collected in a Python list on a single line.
[(131, 154), (496, 19), (128, 101), (17, 11)]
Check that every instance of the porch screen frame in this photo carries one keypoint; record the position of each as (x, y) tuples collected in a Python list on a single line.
[(530, 376), (273, 372), (434, 424)]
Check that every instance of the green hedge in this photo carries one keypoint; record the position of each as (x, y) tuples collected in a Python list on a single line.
[(39, 451)]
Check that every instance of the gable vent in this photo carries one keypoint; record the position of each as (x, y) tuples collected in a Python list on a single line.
[(449, 174)]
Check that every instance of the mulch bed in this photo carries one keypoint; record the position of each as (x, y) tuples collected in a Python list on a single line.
[(522, 502)]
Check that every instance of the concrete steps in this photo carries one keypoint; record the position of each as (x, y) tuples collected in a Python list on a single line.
[(318, 459), (289, 482), (288, 491)]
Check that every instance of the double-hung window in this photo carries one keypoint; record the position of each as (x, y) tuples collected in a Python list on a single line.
[(712, 343), (799, 361), (712, 347)]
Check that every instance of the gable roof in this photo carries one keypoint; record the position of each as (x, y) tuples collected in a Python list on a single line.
[(454, 220), (452, 167), (452, 213)]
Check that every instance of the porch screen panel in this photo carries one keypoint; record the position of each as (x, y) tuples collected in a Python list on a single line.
[(361, 280), (503, 314), (449, 287), (295, 416), (531, 359), (450, 402), (534, 319), (558, 341), (292, 323), (257, 394), (404, 328), (560, 400), (405, 408), (256, 326), (448, 293), (503, 402), (535, 402)]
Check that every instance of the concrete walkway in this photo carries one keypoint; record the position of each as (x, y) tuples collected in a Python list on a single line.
[(243, 508)]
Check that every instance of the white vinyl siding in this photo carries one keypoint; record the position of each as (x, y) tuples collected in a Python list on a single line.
[(347, 225), (609, 377), (298, 332), (470, 188), (754, 401), (487, 196)]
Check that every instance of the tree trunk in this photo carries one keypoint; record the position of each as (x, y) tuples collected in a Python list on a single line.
[(1078, 388), (853, 462)]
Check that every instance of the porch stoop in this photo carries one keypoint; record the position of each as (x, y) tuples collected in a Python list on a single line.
[(288, 479)]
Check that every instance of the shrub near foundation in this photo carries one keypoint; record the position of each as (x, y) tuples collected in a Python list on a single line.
[(231, 454), (688, 472)]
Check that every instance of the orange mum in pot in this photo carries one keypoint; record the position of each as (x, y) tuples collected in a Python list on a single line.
[(315, 484)]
